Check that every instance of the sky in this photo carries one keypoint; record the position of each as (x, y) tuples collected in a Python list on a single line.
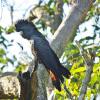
[(20, 6)]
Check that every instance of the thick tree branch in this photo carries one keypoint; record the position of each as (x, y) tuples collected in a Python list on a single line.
[(67, 29), (85, 82)]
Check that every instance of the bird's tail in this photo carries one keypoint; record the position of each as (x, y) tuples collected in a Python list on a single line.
[(64, 72), (58, 79), (55, 80)]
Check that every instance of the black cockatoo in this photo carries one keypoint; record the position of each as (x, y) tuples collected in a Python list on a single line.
[(44, 52)]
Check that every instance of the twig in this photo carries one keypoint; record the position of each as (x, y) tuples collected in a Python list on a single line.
[(69, 93), (88, 58), (11, 14)]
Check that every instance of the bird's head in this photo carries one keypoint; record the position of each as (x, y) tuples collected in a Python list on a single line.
[(27, 28)]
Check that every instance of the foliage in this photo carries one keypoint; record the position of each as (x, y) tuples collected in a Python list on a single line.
[(95, 10), (4, 59), (78, 67)]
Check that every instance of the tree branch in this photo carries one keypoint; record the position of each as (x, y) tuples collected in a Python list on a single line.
[(88, 59), (67, 29)]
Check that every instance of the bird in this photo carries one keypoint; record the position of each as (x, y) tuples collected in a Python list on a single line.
[(44, 52)]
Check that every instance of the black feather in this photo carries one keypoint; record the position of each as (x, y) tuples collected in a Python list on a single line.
[(44, 52), (57, 84), (28, 29), (21, 23)]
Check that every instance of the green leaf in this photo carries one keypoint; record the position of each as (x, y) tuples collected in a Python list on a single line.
[(88, 94), (65, 1), (94, 79), (10, 29), (59, 95), (2, 52), (20, 67), (96, 67), (3, 61), (81, 69), (1, 29)]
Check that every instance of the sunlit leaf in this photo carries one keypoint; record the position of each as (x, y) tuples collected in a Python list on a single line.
[(20, 67), (3, 61), (94, 79), (88, 94), (2, 52), (65, 1), (10, 29), (96, 67), (80, 69)]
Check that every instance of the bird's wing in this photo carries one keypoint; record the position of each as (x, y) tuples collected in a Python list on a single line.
[(46, 55)]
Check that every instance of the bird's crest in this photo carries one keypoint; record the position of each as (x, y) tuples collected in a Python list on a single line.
[(27, 28), (23, 22)]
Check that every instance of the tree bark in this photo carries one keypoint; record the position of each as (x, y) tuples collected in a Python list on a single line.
[(62, 36), (9, 86), (88, 57)]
